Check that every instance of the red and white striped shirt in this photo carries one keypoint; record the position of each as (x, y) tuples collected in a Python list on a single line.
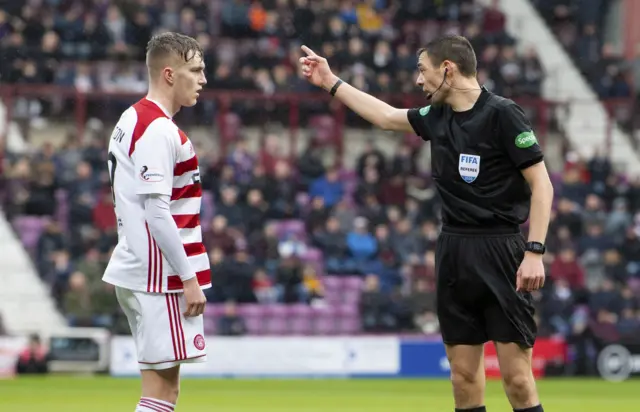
[(150, 155)]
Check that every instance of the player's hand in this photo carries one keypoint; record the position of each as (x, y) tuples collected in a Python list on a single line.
[(194, 297), (316, 69), (530, 273)]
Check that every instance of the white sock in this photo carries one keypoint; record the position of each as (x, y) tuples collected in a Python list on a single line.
[(154, 405)]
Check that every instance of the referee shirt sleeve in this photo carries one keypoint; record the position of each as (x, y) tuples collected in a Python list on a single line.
[(418, 120), (518, 137)]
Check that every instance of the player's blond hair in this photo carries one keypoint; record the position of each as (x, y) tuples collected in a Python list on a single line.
[(166, 46)]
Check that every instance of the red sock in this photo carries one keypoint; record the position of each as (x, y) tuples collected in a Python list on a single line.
[(154, 405)]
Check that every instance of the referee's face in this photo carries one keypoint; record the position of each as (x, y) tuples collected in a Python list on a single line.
[(430, 78)]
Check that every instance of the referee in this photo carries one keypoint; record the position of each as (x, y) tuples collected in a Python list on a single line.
[(490, 173)]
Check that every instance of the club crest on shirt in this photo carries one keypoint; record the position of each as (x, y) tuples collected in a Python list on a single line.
[(150, 175), (469, 167)]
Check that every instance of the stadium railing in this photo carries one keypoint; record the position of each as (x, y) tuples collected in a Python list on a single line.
[(296, 111)]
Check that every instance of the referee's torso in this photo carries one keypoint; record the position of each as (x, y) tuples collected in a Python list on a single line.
[(476, 162)]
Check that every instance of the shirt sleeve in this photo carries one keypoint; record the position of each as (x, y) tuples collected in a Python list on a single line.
[(519, 138), (418, 120), (154, 159), (165, 232)]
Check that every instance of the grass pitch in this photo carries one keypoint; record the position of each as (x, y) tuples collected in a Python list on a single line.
[(105, 394)]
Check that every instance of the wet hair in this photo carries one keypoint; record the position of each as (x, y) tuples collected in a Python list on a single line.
[(171, 45)]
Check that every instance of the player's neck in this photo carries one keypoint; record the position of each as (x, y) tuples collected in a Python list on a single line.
[(465, 95), (165, 101)]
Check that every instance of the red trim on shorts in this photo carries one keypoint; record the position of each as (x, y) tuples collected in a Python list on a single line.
[(173, 334), (149, 258), (155, 265), (180, 331), (160, 271), (173, 360), (157, 407)]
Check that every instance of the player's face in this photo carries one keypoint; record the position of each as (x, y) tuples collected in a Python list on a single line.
[(190, 80), (430, 78)]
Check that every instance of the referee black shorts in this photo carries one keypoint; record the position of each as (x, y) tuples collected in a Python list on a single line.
[(477, 300)]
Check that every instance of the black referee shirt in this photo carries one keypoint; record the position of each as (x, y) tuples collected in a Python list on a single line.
[(476, 158)]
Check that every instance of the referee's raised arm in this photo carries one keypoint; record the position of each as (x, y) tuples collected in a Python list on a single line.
[(316, 69)]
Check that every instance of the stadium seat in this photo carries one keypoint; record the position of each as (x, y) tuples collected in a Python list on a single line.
[(325, 321), (210, 325), (214, 311), (29, 229), (301, 319), (352, 282)]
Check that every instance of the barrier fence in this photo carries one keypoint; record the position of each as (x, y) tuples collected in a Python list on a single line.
[(307, 357), (226, 111)]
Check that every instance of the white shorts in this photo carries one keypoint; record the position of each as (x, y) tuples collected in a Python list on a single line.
[(164, 336)]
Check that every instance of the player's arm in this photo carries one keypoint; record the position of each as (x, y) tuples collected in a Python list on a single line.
[(154, 157), (526, 154)]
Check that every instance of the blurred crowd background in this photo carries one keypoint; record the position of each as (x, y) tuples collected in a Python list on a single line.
[(308, 244)]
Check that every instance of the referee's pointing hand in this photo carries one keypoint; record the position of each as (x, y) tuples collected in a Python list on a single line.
[(530, 273), (316, 69)]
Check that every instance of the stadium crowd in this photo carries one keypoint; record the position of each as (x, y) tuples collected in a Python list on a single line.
[(253, 45), (580, 26)]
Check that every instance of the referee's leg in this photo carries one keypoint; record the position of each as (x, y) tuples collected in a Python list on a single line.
[(461, 326), (510, 323), (467, 376), (517, 376)]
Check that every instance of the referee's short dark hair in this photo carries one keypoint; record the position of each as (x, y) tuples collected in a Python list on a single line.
[(454, 48)]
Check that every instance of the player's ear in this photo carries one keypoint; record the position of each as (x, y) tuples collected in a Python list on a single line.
[(168, 75)]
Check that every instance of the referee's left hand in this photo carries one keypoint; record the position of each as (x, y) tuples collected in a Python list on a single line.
[(530, 273)]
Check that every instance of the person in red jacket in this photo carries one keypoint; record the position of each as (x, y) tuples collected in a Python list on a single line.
[(33, 359), (567, 268)]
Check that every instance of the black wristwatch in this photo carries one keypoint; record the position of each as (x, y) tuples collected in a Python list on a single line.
[(535, 247)]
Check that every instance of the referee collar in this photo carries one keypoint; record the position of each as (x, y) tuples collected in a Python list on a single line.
[(478, 105)]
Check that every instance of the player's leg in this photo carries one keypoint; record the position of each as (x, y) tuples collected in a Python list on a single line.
[(461, 327), (164, 339), (467, 376), (160, 389), (517, 376)]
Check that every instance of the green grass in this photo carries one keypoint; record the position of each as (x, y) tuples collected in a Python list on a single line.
[(102, 394)]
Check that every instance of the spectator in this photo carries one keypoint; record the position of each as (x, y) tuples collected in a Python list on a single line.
[(329, 188), (361, 244), (565, 268), (263, 287), (375, 307), (219, 236), (423, 304), (231, 324), (34, 358)]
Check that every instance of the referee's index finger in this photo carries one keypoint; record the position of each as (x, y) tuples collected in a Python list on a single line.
[(308, 51)]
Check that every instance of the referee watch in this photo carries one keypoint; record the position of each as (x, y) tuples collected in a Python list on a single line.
[(535, 247)]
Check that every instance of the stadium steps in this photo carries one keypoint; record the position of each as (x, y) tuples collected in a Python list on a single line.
[(25, 302), (586, 120)]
